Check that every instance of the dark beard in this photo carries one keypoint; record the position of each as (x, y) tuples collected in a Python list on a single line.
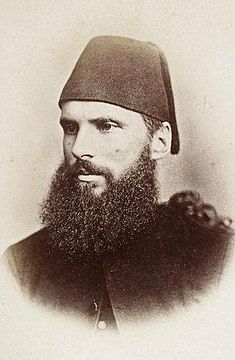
[(81, 223)]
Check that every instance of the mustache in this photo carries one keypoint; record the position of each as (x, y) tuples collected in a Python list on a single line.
[(85, 167)]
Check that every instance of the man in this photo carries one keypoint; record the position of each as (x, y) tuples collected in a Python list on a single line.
[(109, 253)]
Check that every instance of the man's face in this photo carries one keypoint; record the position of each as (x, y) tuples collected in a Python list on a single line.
[(107, 137), (105, 191)]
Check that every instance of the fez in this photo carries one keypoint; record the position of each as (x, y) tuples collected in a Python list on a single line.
[(128, 73)]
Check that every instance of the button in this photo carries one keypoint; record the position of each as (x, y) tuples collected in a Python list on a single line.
[(101, 325), (93, 309)]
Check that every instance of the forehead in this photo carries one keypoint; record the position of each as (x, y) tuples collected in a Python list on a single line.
[(87, 110)]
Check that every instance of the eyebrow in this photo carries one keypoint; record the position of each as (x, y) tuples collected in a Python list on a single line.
[(66, 120), (92, 120)]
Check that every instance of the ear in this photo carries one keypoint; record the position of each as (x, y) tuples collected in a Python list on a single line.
[(161, 141)]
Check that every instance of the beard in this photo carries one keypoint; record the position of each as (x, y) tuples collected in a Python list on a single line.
[(81, 223)]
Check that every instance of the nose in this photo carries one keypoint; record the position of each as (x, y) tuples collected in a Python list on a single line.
[(83, 146)]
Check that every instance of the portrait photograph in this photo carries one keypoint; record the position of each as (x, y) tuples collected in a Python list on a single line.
[(117, 180)]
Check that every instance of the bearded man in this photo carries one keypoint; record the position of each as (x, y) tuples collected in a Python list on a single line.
[(109, 252)]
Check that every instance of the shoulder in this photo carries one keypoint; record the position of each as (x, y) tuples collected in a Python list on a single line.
[(32, 244), (198, 226), (195, 242), (27, 254), (188, 208)]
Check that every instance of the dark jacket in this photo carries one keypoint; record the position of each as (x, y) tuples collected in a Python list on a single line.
[(170, 263)]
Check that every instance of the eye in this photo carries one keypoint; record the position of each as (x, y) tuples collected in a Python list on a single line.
[(106, 127), (69, 128)]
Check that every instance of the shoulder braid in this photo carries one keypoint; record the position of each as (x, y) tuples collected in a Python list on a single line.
[(190, 205)]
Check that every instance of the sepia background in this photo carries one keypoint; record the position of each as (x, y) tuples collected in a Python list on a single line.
[(40, 43)]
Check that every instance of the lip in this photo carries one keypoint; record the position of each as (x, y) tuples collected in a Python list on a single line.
[(83, 172), (87, 177)]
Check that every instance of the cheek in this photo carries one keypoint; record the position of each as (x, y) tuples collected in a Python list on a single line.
[(122, 158), (120, 153), (129, 152), (128, 147)]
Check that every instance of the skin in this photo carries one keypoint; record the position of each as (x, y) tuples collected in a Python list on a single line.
[(109, 136)]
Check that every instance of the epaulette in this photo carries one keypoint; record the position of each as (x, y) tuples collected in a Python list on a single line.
[(191, 206)]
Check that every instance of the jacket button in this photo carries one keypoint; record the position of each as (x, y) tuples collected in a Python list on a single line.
[(101, 325), (93, 309)]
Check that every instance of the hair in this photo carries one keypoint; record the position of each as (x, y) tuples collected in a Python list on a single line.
[(81, 223), (152, 124)]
